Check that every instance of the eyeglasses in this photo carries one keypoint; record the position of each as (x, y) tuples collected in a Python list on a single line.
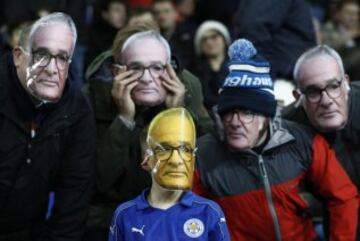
[(164, 153), (155, 70), (314, 94), (43, 58), (245, 116)]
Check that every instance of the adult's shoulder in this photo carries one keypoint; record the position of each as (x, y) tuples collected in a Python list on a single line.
[(100, 68), (207, 140), (191, 82), (74, 102), (304, 136), (354, 105), (4, 74), (297, 114), (210, 150)]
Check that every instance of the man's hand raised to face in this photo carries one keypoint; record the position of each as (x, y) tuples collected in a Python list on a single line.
[(175, 88), (124, 82)]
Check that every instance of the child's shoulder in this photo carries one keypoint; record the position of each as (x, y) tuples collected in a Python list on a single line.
[(124, 207)]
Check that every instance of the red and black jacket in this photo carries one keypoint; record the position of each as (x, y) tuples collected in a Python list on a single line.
[(260, 193)]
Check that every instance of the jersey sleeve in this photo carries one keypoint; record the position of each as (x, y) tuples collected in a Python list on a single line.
[(115, 233), (219, 231)]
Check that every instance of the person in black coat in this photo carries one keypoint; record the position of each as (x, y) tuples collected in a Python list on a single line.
[(47, 137)]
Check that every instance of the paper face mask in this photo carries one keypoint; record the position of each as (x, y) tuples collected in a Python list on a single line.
[(171, 144)]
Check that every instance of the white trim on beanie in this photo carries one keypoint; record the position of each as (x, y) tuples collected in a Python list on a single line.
[(250, 68), (210, 25)]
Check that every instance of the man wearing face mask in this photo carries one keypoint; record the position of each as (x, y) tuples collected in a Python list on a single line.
[(47, 138), (258, 164), (127, 91), (328, 102), (168, 210)]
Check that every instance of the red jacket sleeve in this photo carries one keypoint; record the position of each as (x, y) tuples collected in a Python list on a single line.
[(329, 178)]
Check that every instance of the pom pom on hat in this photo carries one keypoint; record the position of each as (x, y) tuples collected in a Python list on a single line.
[(248, 84), (241, 50)]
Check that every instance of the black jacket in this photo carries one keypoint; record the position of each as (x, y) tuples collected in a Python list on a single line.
[(280, 31), (59, 158)]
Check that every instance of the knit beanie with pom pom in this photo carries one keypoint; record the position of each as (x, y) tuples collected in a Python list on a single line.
[(248, 85)]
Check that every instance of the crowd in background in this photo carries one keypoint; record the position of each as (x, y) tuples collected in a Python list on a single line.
[(200, 31)]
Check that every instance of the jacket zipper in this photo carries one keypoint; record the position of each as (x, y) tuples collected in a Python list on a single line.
[(267, 187)]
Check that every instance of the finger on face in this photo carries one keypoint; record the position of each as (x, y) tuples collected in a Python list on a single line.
[(171, 73), (125, 77), (170, 70), (166, 79), (118, 69), (131, 86), (126, 87), (170, 86)]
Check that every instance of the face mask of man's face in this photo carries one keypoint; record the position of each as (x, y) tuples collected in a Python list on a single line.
[(171, 139)]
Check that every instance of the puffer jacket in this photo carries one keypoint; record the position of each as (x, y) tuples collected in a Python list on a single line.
[(260, 192)]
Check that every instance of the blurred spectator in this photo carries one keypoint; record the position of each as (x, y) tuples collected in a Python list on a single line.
[(211, 41), (345, 30), (185, 9), (82, 13), (141, 14), (222, 11), (139, 3), (343, 34), (179, 35), (280, 30), (110, 17), (15, 32), (12, 17), (16, 11)]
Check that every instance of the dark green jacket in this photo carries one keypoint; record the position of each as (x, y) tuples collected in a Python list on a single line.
[(119, 153)]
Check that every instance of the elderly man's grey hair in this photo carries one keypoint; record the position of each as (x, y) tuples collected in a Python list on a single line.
[(52, 18), (24, 37), (147, 35), (320, 50)]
